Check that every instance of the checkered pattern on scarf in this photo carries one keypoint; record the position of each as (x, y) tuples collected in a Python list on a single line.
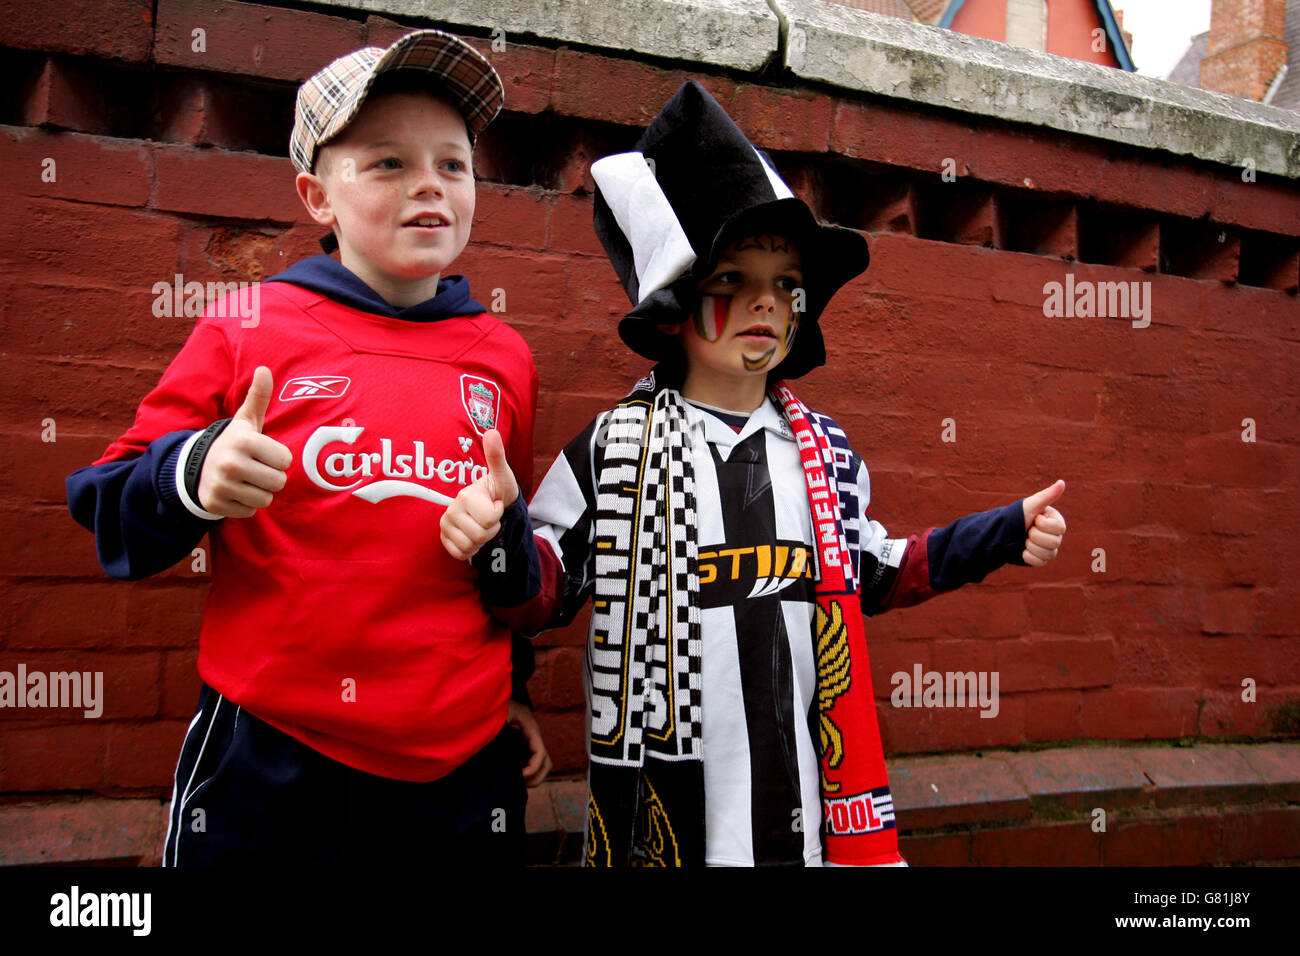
[(646, 589), (647, 607), (332, 98)]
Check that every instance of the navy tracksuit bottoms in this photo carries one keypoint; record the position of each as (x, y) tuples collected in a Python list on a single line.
[(247, 793)]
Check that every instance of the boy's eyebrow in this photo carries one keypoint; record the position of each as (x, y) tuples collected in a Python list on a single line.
[(790, 264), (388, 142)]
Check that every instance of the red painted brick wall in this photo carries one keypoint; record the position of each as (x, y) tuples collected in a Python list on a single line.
[(168, 161)]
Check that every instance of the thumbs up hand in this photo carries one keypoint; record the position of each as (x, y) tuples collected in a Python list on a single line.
[(500, 480), (474, 517), (1044, 524), (244, 468)]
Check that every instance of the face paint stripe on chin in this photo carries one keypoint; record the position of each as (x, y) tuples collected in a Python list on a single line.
[(711, 316)]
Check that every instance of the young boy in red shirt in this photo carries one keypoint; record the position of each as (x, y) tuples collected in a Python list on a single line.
[(354, 705)]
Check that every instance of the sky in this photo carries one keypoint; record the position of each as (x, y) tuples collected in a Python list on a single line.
[(1162, 30)]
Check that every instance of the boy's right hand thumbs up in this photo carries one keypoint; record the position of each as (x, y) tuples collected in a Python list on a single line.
[(244, 468)]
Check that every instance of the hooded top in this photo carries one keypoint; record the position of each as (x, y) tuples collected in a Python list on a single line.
[(335, 614)]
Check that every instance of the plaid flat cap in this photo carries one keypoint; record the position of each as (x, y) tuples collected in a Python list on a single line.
[(329, 100)]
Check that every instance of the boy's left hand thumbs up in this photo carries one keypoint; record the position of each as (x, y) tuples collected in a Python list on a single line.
[(1044, 524), (501, 484), (474, 517)]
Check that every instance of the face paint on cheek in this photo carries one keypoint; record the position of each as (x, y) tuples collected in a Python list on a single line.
[(777, 353), (791, 327), (711, 316)]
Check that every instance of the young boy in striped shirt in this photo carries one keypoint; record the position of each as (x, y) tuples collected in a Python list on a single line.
[(720, 527)]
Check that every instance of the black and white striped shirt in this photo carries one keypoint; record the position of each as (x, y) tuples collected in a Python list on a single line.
[(757, 571)]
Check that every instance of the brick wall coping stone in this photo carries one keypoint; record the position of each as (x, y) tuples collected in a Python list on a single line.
[(821, 42)]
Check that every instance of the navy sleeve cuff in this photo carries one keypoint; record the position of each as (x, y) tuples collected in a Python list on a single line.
[(165, 479), (508, 567), (1012, 533), (969, 549), (133, 506)]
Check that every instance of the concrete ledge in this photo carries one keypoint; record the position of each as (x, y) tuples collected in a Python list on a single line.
[(556, 821), (1193, 837), (868, 56), (1163, 806), (889, 56), (939, 791), (932, 792), (1186, 806), (740, 34), (95, 829)]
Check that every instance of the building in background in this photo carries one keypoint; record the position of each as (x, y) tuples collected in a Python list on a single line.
[(1080, 29), (1251, 50), (926, 11), (1088, 30)]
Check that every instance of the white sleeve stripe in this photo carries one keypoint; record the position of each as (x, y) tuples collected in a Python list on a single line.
[(557, 506), (192, 506)]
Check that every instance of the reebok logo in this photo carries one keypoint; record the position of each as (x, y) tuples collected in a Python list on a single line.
[(315, 386)]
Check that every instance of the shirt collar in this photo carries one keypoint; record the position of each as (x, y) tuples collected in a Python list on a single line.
[(719, 433)]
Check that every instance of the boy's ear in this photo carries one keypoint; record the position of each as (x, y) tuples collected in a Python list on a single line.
[(670, 328), (312, 192)]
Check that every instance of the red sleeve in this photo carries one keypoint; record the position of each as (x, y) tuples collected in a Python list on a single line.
[(909, 584)]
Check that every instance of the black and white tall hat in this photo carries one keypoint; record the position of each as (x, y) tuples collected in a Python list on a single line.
[(692, 186)]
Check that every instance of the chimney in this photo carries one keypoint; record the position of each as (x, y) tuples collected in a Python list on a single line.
[(1247, 47), (1128, 37), (1027, 23)]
